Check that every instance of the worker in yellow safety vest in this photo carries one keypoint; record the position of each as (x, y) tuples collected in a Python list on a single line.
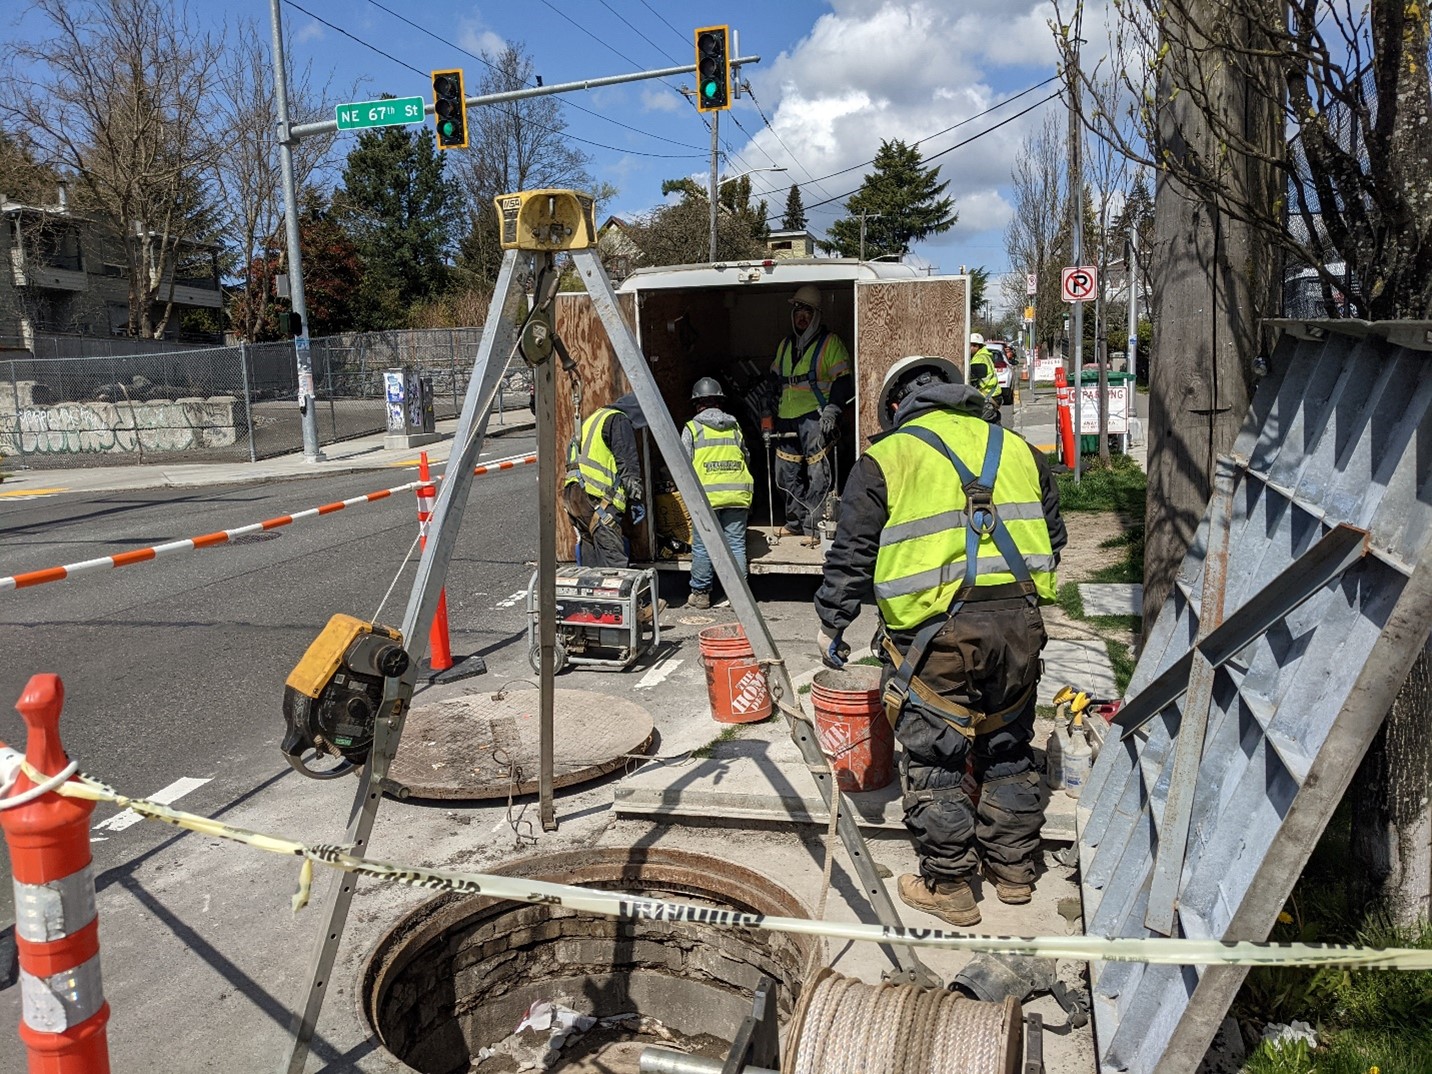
[(717, 449), (604, 480), (811, 377), (984, 376), (954, 524)]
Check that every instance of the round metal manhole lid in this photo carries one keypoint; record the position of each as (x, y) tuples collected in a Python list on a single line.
[(474, 748)]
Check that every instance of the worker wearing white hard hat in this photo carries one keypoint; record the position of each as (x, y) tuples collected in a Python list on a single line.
[(811, 378)]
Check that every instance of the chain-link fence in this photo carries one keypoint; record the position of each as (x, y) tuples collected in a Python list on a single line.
[(224, 403)]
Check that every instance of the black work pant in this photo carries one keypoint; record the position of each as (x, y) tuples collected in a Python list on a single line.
[(986, 656), (600, 528), (803, 471)]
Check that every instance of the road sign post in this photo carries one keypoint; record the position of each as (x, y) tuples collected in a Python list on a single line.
[(393, 112)]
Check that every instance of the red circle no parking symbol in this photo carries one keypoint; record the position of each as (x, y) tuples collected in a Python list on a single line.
[(1077, 284)]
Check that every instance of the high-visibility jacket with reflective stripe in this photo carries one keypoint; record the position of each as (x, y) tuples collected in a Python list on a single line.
[(987, 385), (719, 459), (593, 465), (831, 362), (921, 562)]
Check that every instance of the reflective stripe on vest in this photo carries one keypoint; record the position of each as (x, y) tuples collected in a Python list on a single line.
[(802, 394), (593, 465), (988, 385), (720, 464), (921, 562)]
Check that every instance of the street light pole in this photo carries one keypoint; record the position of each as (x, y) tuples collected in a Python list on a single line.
[(715, 192)]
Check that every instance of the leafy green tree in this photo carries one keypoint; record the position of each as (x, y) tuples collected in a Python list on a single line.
[(680, 233), (795, 218), (397, 205), (905, 203)]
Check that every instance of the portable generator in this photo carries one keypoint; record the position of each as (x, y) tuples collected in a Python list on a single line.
[(599, 617)]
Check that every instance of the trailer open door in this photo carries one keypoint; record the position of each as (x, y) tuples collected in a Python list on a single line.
[(896, 318)]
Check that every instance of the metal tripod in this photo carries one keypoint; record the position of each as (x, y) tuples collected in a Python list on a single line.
[(507, 321)]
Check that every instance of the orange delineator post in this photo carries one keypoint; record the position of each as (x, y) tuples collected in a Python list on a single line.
[(1065, 417), (56, 926), (439, 645)]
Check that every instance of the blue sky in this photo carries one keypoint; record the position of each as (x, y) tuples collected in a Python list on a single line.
[(835, 78)]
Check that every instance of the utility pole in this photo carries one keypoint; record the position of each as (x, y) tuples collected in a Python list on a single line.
[(863, 218), (1131, 263), (715, 182), (1076, 228), (311, 451)]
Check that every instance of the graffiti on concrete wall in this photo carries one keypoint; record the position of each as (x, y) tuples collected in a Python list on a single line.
[(114, 428)]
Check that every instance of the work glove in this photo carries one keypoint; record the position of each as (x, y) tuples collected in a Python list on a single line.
[(834, 651), (829, 418), (638, 513)]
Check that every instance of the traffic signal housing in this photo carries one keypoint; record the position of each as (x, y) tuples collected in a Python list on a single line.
[(450, 109), (713, 69)]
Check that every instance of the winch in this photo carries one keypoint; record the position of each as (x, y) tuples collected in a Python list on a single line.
[(331, 699)]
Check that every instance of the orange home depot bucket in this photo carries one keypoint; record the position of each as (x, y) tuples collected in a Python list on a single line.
[(854, 733), (734, 680)]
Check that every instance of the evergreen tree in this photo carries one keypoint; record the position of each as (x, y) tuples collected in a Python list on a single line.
[(795, 218), (398, 205), (904, 198)]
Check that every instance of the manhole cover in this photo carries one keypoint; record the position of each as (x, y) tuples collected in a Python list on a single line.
[(475, 748), (253, 538), (695, 620)]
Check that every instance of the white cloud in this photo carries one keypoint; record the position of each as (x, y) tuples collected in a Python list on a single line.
[(477, 38), (662, 100), (873, 70), (310, 31)]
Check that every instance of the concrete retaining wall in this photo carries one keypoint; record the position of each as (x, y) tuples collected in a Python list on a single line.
[(119, 428)]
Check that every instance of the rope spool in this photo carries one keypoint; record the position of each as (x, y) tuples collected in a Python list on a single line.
[(843, 1026)]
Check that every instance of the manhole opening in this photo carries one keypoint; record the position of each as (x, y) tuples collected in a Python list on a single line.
[(457, 975)]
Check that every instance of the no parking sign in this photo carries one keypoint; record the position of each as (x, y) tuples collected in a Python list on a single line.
[(1078, 283)]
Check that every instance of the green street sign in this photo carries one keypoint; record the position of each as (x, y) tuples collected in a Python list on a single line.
[(394, 112)]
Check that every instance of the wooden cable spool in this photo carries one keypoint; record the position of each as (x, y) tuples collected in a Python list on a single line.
[(842, 1025)]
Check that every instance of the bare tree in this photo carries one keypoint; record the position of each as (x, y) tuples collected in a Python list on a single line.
[(518, 145), (248, 177), (1037, 238), (121, 95)]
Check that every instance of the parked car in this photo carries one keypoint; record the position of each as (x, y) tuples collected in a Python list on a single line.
[(1003, 369)]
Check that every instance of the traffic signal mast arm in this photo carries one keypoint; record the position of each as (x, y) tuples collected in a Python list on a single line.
[(328, 126)]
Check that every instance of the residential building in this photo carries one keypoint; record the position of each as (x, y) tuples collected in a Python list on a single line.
[(784, 244)]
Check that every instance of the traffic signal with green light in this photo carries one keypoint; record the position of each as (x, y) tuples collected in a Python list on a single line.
[(450, 109), (713, 69)]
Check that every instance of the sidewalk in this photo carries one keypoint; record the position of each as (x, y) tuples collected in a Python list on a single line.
[(348, 456)]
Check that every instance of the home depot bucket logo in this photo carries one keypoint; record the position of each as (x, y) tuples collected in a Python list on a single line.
[(748, 692)]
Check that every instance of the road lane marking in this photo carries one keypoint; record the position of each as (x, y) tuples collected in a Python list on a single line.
[(509, 601), (33, 492), (658, 673), (168, 796)]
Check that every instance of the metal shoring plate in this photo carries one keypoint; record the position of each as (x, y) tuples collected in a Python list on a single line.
[(464, 748)]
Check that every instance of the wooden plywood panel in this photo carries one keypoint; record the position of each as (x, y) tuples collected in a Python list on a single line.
[(896, 318), (580, 329)]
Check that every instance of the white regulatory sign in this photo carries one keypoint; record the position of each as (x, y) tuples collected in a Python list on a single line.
[(1031, 284), (1078, 283)]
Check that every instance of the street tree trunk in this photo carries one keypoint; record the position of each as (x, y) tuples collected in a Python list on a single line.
[(1391, 821), (1213, 283)]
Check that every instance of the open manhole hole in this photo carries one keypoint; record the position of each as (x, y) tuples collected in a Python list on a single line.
[(457, 975)]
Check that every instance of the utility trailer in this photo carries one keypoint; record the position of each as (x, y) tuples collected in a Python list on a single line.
[(725, 320)]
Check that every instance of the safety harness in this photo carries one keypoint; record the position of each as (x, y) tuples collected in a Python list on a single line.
[(981, 520), (792, 379)]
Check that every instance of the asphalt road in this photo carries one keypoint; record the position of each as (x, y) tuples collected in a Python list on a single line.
[(174, 670)]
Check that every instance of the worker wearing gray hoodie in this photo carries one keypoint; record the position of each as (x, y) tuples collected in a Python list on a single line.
[(718, 454)]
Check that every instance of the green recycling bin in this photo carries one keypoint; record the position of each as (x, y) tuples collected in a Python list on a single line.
[(1089, 378)]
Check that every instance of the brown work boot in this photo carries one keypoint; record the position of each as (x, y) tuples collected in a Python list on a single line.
[(644, 614), (700, 598), (1010, 891), (791, 531), (950, 900)]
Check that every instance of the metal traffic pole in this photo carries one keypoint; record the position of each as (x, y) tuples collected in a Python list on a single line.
[(286, 140), (544, 384)]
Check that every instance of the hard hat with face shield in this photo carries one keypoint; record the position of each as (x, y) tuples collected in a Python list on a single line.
[(807, 295), (911, 373)]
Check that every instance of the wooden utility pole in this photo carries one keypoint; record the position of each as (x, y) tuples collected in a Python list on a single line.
[(1213, 280)]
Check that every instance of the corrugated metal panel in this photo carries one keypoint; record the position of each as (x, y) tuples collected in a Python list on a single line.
[(1339, 434)]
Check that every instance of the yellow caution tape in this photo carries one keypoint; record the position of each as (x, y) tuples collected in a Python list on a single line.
[(635, 908)]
